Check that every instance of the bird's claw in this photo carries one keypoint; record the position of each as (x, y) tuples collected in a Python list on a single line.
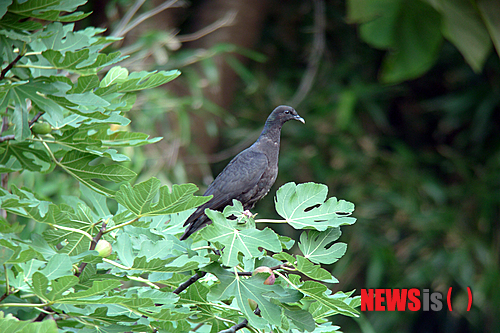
[(248, 213)]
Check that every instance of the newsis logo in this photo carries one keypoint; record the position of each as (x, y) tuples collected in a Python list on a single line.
[(406, 299)]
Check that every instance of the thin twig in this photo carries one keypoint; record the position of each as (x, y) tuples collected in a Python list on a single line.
[(35, 118), (7, 138), (316, 53), (189, 282), (251, 273), (226, 21), (241, 325), (7, 286), (93, 244), (128, 16), (5, 122), (141, 18), (9, 66)]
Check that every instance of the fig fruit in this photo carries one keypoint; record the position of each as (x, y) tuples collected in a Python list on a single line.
[(264, 269), (41, 128), (104, 248)]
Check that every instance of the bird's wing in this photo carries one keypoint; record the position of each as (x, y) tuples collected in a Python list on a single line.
[(241, 175)]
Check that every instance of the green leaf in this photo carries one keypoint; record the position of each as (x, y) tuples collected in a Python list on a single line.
[(139, 198), (59, 265), (306, 267), (84, 84), (78, 165), (20, 120), (314, 271), (146, 80), (303, 206), (35, 91), (314, 246), (13, 325), (45, 9), (490, 11), (464, 27), (196, 295), (23, 155), (173, 264), (409, 30), (234, 241), (61, 285), (5, 254), (243, 289), (82, 62), (40, 285), (98, 288), (97, 200), (115, 75), (3, 7), (300, 318), (334, 303)]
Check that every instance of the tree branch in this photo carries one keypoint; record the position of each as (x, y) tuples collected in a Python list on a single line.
[(35, 118), (189, 282), (7, 138), (226, 21), (143, 17), (93, 244), (251, 273), (315, 56), (241, 325), (9, 66)]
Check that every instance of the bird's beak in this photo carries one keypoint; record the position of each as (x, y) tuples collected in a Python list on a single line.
[(299, 118)]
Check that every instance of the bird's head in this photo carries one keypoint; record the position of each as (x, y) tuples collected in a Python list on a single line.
[(283, 114)]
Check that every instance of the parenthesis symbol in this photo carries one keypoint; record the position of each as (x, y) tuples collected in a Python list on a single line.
[(470, 298), (448, 299)]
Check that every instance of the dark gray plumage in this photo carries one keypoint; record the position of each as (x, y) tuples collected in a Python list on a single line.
[(249, 175)]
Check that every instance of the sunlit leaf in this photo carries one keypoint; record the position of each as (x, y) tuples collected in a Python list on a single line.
[(303, 206)]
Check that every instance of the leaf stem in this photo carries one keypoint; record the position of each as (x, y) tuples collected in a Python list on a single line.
[(122, 225), (207, 247), (35, 66), (114, 263), (56, 226), (139, 279), (24, 305), (288, 281), (269, 221)]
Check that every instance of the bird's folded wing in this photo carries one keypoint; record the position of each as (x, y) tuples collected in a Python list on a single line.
[(240, 176)]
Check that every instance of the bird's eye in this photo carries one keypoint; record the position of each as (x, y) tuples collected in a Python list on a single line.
[(287, 112)]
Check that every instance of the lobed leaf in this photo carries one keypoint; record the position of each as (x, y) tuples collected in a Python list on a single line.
[(315, 246), (139, 198), (247, 242), (303, 206)]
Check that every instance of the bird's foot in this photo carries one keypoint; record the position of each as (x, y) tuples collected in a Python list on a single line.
[(248, 213)]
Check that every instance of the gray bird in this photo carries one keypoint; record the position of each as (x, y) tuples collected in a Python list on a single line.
[(249, 175)]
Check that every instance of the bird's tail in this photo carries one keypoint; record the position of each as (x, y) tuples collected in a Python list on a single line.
[(194, 225)]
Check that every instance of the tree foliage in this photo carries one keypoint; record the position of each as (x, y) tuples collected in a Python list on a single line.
[(56, 280), (413, 31)]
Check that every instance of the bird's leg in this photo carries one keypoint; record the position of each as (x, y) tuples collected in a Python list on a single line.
[(248, 213)]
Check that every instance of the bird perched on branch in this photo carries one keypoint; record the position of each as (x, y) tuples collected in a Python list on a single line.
[(249, 175)]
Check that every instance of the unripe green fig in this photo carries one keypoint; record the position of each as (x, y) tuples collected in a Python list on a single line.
[(264, 269), (41, 128), (253, 304), (104, 248)]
